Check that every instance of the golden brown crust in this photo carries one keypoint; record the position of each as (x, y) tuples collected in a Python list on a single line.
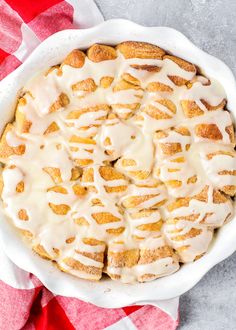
[(20, 187), (148, 256), (146, 67), (22, 124), (192, 233), (81, 221), (182, 130), (134, 49), (84, 140), (170, 149), (181, 63), (104, 217), (110, 173), (61, 209), (191, 109), (26, 234), (22, 214), (54, 173), (127, 258), (39, 249), (76, 265), (75, 114), (231, 133), (178, 81), (58, 189), (98, 53), (76, 59), (106, 81), (210, 107), (159, 87), (220, 152), (6, 150), (130, 79), (135, 201), (52, 128), (179, 202), (132, 107), (87, 85), (135, 81), (115, 231), (79, 190), (62, 101), (208, 131), (229, 190), (124, 85), (76, 172), (156, 113)]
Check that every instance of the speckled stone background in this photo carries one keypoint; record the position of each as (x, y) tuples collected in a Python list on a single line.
[(211, 25)]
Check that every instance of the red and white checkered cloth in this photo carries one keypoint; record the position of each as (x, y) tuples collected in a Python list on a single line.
[(24, 302)]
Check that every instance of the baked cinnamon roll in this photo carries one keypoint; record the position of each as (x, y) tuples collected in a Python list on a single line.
[(119, 160)]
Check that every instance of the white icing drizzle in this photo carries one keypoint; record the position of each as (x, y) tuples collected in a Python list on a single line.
[(11, 177), (217, 164), (213, 94), (112, 130), (158, 268), (135, 152), (126, 137), (45, 91), (208, 215), (13, 140), (146, 219), (157, 194), (168, 68)]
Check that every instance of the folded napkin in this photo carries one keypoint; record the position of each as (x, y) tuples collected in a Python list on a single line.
[(24, 302)]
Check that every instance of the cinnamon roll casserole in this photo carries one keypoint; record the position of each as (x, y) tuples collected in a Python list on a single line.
[(120, 160)]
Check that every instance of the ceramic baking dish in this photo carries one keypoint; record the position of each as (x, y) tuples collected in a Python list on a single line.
[(108, 293)]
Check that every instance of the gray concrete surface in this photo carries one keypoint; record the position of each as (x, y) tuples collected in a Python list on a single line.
[(210, 24)]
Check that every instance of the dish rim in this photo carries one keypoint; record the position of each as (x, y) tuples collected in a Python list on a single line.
[(108, 293)]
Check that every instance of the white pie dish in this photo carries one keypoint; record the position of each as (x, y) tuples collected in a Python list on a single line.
[(107, 293)]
